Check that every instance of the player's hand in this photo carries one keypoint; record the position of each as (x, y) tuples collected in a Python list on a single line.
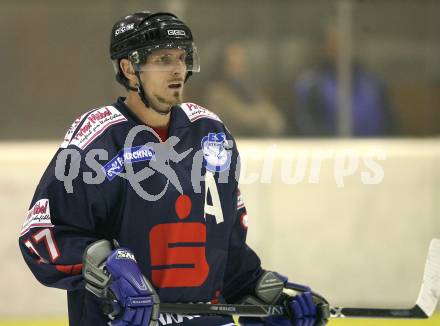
[(306, 308), (303, 310), (135, 301)]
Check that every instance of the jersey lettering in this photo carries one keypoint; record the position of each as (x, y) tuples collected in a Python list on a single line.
[(215, 209), (33, 251), (47, 236)]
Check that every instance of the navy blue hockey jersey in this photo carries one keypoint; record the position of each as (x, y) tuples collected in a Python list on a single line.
[(175, 204)]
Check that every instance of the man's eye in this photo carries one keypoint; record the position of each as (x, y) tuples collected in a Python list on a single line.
[(165, 59)]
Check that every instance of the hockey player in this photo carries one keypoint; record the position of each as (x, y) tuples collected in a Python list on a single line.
[(141, 204)]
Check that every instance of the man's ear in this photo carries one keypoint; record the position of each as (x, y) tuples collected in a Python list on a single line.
[(128, 70)]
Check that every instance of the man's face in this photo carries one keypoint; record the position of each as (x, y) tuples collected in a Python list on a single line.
[(163, 77)]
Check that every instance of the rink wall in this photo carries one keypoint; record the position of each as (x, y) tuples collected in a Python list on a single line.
[(351, 218)]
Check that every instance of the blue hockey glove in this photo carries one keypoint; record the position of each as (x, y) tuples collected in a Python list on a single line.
[(115, 278), (135, 297), (306, 308), (301, 310)]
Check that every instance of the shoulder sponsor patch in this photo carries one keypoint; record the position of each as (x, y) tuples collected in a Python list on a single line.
[(71, 130), (216, 152), (127, 155), (37, 216), (95, 124), (196, 112)]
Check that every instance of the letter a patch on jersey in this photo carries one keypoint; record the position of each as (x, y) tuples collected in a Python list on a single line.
[(215, 208)]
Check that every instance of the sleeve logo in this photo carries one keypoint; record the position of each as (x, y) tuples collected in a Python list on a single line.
[(216, 153), (37, 216)]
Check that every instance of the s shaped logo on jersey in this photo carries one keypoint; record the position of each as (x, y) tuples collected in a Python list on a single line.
[(216, 152)]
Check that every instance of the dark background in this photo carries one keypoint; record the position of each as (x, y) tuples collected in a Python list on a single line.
[(55, 62)]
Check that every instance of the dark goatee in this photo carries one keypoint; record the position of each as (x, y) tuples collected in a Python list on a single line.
[(177, 99)]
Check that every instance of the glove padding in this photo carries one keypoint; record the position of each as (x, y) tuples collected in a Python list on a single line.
[(302, 306), (115, 278), (135, 297), (302, 311), (306, 308)]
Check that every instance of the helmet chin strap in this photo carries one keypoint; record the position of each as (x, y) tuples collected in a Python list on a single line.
[(140, 90)]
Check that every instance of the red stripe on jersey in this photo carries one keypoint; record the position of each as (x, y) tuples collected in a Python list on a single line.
[(70, 269)]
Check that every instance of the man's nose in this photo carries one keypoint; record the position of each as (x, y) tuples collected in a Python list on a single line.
[(179, 68)]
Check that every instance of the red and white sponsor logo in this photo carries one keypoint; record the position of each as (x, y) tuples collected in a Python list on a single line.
[(37, 216), (95, 124), (196, 112), (240, 201), (244, 221), (71, 130)]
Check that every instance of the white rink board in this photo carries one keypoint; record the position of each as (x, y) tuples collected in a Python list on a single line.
[(360, 245), (357, 244)]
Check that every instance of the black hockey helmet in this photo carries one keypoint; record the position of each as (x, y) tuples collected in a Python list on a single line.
[(135, 36)]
